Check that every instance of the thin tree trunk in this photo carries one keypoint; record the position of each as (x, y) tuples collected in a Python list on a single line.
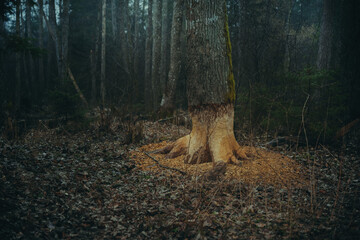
[(17, 60), (41, 46), (52, 28), (94, 57), (156, 54), (103, 49), (65, 38), (148, 58), (30, 61), (123, 35), (114, 19), (72, 78), (168, 101), (326, 36), (287, 40), (136, 49), (164, 45)]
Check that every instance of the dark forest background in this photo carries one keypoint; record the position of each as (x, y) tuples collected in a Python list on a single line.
[(296, 62)]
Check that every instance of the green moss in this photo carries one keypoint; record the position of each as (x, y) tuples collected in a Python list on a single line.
[(230, 96)]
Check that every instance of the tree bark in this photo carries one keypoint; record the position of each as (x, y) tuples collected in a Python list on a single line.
[(17, 60), (164, 45), (94, 58), (211, 88), (65, 38), (41, 46), (168, 101), (30, 61), (326, 37), (114, 19), (148, 58), (52, 28), (103, 49), (136, 49), (156, 53), (287, 40), (123, 35)]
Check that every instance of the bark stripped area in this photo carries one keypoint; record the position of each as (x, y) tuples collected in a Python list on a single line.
[(210, 89), (211, 139)]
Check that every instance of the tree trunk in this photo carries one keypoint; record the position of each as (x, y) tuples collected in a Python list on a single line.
[(136, 49), (156, 53), (123, 36), (103, 60), (287, 40), (210, 89), (326, 36), (52, 28), (148, 58), (168, 101), (114, 19), (17, 60), (65, 38), (164, 45), (94, 57), (41, 46), (30, 61)]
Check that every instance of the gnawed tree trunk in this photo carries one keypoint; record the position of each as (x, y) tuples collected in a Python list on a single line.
[(148, 58), (168, 100), (156, 53), (326, 36), (210, 89), (103, 60)]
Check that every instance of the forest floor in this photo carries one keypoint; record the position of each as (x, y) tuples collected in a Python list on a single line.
[(91, 185)]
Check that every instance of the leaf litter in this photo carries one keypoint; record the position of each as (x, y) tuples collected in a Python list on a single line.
[(91, 185)]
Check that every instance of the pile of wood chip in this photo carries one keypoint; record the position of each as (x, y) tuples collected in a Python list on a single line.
[(266, 168)]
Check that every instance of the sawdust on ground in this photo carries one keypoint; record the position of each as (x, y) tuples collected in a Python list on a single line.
[(266, 168)]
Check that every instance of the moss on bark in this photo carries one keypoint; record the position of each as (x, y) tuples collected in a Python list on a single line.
[(230, 96)]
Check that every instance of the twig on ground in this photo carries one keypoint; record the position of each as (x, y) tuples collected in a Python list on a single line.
[(160, 165)]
